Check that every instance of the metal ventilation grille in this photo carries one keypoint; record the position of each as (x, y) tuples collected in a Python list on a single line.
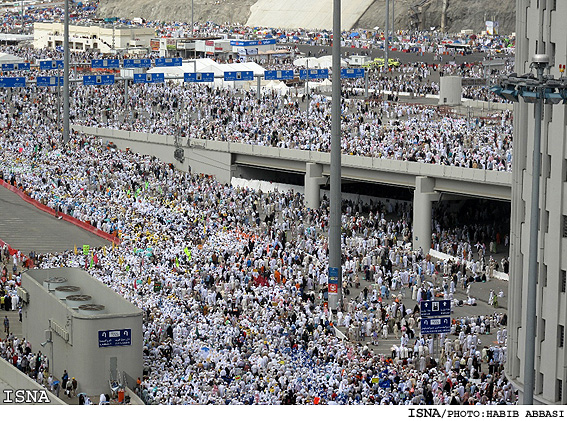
[(68, 288), (92, 307), (79, 297), (56, 280)]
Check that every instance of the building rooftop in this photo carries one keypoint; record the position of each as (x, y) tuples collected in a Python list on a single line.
[(84, 295)]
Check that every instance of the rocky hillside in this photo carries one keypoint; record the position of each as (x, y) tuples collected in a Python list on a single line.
[(461, 14)]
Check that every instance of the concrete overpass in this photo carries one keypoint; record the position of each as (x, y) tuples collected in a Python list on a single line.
[(226, 160)]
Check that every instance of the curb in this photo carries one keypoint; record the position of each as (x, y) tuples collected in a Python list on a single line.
[(65, 217)]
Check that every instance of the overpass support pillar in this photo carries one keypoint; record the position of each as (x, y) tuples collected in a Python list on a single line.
[(423, 196), (313, 179)]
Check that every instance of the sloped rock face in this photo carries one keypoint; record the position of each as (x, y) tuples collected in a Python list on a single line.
[(219, 11), (461, 14)]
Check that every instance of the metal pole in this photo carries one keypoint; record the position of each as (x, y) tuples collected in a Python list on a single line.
[(366, 84), (386, 32), (58, 103), (258, 84), (530, 331), (335, 181), (126, 106), (393, 19), (66, 78), (307, 89)]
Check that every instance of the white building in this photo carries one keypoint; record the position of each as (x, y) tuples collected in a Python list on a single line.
[(103, 38), (540, 23), (83, 327)]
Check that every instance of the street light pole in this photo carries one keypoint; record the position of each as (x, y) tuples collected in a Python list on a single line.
[(535, 90), (540, 62), (66, 78), (335, 255), (387, 30)]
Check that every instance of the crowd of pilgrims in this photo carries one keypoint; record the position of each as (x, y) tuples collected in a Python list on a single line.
[(370, 127), (232, 280)]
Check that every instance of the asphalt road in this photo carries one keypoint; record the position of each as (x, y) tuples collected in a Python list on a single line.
[(27, 228)]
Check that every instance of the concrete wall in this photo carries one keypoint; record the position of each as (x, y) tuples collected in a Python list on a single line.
[(80, 354), (316, 14), (16, 380), (450, 89)]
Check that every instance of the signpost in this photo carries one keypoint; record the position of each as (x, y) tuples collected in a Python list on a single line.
[(117, 337), (149, 77), (435, 317), (278, 75), (352, 73), (9, 67), (112, 63), (432, 325), (43, 81), (250, 43), (435, 308), (12, 82), (50, 64), (168, 62), (235, 76), (137, 63), (199, 77), (313, 74), (91, 80)]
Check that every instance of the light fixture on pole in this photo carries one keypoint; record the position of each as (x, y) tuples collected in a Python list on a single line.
[(538, 90)]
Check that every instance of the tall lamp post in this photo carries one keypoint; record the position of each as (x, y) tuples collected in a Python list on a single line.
[(335, 255), (538, 90), (66, 77)]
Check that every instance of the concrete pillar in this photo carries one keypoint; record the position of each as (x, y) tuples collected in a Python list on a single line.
[(423, 195), (313, 179)]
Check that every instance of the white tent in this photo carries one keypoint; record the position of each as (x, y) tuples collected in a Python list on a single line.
[(275, 85), (206, 65), (200, 66), (324, 62), (9, 58)]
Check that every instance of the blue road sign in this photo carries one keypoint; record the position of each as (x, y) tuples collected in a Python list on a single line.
[(434, 325), (352, 73), (50, 64), (278, 75), (250, 43), (233, 76), (199, 77), (9, 67), (314, 73), (333, 280), (50, 81), (149, 77), (112, 63), (168, 61), (137, 63), (435, 308), (117, 337), (12, 82), (90, 80)]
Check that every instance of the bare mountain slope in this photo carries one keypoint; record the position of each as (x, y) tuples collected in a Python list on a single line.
[(461, 14)]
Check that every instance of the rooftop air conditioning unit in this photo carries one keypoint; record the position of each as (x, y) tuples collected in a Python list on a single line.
[(51, 283), (91, 309), (75, 301)]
